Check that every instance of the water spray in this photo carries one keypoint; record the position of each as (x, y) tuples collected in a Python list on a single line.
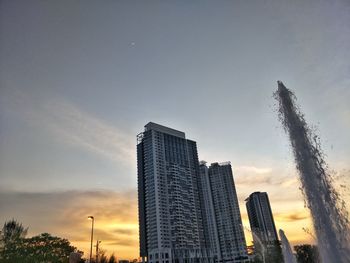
[(328, 211), (286, 249)]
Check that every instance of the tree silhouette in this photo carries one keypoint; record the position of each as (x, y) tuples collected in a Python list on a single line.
[(41, 248), (12, 230), (307, 254), (112, 259)]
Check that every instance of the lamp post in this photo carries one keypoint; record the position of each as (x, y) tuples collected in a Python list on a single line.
[(92, 235)]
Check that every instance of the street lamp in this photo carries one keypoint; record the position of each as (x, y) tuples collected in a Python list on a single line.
[(92, 235)]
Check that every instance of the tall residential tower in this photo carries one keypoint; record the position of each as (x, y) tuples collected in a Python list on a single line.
[(222, 220), (170, 218), (188, 213)]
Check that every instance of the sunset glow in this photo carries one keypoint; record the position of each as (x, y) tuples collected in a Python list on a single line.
[(80, 79)]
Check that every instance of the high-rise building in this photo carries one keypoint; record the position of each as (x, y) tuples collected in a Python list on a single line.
[(170, 214), (222, 219), (188, 213), (261, 219)]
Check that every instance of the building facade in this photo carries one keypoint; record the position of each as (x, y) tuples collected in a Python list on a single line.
[(170, 214), (188, 212), (261, 219), (223, 223)]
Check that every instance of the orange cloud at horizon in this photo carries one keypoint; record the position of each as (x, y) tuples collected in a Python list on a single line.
[(65, 213), (116, 223)]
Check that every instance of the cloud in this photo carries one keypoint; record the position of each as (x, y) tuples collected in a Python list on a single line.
[(252, 169), (254, 179), (124, 231), (123, 243), (290, 182), (72, 126), (65, 214), (254, 176), (84, 130), (291, 217)]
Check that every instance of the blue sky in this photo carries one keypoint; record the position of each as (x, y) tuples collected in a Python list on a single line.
[(80, 79)]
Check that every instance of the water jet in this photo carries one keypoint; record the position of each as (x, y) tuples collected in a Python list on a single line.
[(286, 249), (327, 210)]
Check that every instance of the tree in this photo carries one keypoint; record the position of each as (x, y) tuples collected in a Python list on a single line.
[(102, 258), (37, 249), (12, 230), (307, 254), (112, 259), (11, 234)]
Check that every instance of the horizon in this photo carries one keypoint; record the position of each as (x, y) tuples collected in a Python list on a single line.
[(80, 81)]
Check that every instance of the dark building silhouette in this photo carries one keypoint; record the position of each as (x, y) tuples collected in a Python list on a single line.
[(261, 219)]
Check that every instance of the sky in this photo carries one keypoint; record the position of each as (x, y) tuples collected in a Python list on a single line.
[(80, 79)]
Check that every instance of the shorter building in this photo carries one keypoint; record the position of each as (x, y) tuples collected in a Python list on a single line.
[(261, 219)]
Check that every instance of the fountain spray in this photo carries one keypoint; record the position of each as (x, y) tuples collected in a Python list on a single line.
[(286, 249), (328, 211)]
